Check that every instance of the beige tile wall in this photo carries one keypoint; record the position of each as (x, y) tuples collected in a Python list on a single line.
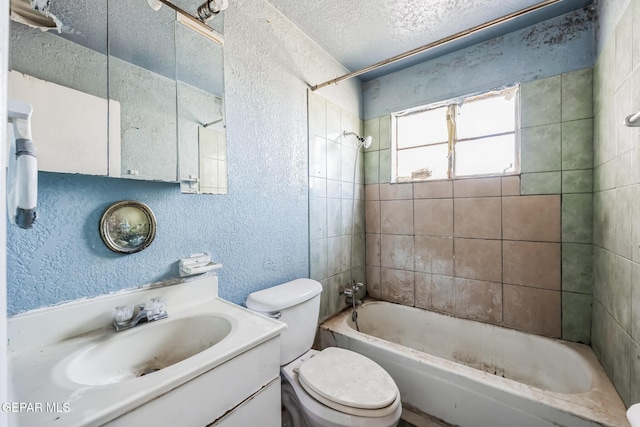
[(471, 248)]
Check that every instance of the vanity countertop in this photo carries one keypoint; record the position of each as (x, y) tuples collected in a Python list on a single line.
[(44, 343)]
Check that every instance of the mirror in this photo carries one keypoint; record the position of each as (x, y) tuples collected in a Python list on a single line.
[(64, 77), (201, 133), (159, 85), (142, 79)]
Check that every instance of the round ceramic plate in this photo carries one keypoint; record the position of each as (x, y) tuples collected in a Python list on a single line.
[(127, 227)]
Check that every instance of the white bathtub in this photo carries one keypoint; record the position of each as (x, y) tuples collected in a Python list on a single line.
[(473, 374)]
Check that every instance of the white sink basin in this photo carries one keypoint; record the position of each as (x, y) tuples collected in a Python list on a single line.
[(146, 349)]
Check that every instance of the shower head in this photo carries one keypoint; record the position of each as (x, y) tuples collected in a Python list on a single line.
[(364, 141)]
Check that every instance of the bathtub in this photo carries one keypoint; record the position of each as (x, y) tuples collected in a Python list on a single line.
[(459, 372)]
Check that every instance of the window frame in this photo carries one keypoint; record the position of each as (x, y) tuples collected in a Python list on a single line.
[(452, 168)]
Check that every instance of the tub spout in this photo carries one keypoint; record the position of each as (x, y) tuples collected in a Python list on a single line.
[(350, 300)]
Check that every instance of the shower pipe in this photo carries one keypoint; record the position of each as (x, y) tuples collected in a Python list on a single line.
[(437, 43), (363, 142)]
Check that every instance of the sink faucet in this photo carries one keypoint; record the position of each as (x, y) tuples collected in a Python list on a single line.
[(123, 317)]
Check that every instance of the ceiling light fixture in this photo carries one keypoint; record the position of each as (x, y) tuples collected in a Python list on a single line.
[(210, 8), (196, 24)]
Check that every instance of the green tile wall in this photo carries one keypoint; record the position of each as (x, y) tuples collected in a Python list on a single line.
[(576, 317), (577, 274), (616, 219), (541, 147), (378, 155), (577, 181), (541, 183), (577, 144), (557, 158), (541, 102), (577, 218)]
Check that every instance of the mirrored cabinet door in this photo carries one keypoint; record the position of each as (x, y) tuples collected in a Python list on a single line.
[(63, 75), (142, 79), (201, 131)]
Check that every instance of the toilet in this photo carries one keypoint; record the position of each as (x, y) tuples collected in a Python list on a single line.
[(329, 388)]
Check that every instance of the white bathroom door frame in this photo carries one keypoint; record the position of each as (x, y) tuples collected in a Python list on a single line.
[(4, 61)]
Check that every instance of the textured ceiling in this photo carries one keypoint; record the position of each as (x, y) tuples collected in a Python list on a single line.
[(359, 33)]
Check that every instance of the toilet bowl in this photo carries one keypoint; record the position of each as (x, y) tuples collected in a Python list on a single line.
[(329, 388), (306, 411)]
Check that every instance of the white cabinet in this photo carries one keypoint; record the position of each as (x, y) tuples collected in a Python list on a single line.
[(244, 391), (262, 409)]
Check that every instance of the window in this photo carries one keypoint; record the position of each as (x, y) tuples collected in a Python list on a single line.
[(473, 136)]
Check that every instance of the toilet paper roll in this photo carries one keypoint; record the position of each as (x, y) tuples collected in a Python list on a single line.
[(633, 415)]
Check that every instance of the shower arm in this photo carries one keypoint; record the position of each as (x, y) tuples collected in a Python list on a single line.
[(358, 137), (421, 49), (365, 141)]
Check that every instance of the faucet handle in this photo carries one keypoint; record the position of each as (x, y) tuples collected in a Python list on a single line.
[(123, 313), (347, 291), (157, 305)]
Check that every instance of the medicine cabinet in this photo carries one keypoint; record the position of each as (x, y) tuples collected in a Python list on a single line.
[(129, 93)]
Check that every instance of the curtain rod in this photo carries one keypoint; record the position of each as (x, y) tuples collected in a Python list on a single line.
[(437, 43)]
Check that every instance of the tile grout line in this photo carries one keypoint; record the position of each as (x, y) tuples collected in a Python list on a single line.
[(453, 238), (561, 203), (502, 247)]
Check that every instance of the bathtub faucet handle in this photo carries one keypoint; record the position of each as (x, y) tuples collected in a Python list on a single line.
[(347, 291)]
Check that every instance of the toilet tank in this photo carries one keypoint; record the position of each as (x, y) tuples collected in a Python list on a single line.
[(296, 303)]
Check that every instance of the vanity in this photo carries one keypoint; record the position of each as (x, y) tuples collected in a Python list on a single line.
[(209, 363)]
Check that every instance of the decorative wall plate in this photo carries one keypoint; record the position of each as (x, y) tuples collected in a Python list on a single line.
[(127, 227)]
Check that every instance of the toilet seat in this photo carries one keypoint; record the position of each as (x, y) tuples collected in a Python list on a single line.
[(349, 382)]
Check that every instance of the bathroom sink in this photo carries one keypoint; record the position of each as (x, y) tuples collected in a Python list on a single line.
[(145, 349), (69, 354)]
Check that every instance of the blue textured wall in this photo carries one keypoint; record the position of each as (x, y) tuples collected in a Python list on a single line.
[(259, 231), (260, 237), (549, 48)]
